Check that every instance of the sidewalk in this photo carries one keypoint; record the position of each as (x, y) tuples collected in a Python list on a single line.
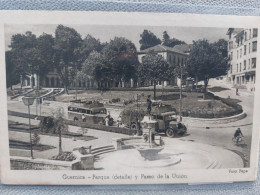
[(228, 93)]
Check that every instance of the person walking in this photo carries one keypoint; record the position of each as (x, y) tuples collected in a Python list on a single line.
[(84, 118)]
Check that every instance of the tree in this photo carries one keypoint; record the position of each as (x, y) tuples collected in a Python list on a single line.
[(21, 47), (206, 61), (154, 68), (45, 43), (89, 44), (170, 42), (148, 39), (59, 124), (12, 75), (32, 55), (96, 67), (66, 45), (121, 56)]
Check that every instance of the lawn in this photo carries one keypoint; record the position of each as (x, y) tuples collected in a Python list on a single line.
[(41, 92), (217, 89), (20, 127), (109, 95), (27, 146), (193, 103)]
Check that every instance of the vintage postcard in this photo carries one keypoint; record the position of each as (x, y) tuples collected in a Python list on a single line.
[(128, 98)]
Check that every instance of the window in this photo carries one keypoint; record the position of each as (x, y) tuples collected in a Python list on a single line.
[(240, 53), (237, 54), (244, 64), (249, 47), (231, 56), (240, 67), (244, 49), (254, 46), (245, 36), (230, 45), (253, 62), (231, 69), (255, 32), (249, 33), (249, 64), (237, 67)]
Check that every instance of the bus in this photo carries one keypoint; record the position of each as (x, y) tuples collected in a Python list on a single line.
[(92, 115)]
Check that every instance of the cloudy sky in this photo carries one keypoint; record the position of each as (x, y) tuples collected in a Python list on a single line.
[(105, 33)]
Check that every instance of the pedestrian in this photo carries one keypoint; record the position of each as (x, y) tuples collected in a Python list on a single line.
[(107, 121), (83, 118), (237, 91)]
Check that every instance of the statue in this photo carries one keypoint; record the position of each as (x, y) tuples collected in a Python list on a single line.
[(149, 104)]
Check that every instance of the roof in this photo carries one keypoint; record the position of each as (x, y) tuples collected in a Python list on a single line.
[(186, 48), (161, 48), (234, 30)]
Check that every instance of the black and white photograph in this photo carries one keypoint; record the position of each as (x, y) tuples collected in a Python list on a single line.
[(143, 100)]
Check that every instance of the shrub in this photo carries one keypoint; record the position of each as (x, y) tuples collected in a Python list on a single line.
[(130, 115), (64, 156), (35, 138), (115, 100), (174, 96)]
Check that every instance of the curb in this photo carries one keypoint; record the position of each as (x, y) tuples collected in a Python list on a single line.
[(225, 120)]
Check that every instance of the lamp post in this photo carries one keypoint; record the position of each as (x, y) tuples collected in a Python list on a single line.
[(180, 105), (28, 101)]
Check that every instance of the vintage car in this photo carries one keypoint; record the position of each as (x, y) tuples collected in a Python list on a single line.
[(165, 123)]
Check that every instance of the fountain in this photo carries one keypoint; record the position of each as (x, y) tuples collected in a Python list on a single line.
[(143, 151), (149, 150)]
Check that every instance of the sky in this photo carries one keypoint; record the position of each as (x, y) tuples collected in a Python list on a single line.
[(107, 32)]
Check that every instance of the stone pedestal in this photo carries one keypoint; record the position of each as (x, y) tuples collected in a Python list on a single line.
[(117, 143), (86, 159)]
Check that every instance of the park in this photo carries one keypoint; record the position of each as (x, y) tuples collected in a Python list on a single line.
[(79, 103)]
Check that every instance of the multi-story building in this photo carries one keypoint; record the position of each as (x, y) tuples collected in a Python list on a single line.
[(242, 52), (173, 56)]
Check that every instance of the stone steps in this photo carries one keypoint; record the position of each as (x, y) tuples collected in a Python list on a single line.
[(102, 150)]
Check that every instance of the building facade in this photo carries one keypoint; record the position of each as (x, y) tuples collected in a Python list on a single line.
[(173, 56), (242, 53)]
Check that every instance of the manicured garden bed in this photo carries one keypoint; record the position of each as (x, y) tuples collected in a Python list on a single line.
[(20, 127), (15, 144), (64, 156), (193, 105)]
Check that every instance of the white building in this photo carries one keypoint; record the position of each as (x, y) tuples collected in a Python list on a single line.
[(242, 52), (173, 56)]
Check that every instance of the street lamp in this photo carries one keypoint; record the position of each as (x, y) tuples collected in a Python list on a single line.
[(28, 101)]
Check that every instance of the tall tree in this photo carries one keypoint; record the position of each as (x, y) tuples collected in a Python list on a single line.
[(21, 45), (206, 61), (32, 55), (66, 44), (154, 68), (121, 55), (89, 44), (97, 67), (170, 42), (45, 43), (12, 75), (148, 39)]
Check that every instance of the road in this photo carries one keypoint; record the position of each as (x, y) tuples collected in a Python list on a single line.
[(219, 135)]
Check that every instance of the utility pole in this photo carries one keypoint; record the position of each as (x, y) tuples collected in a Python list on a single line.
[(180, 108)]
